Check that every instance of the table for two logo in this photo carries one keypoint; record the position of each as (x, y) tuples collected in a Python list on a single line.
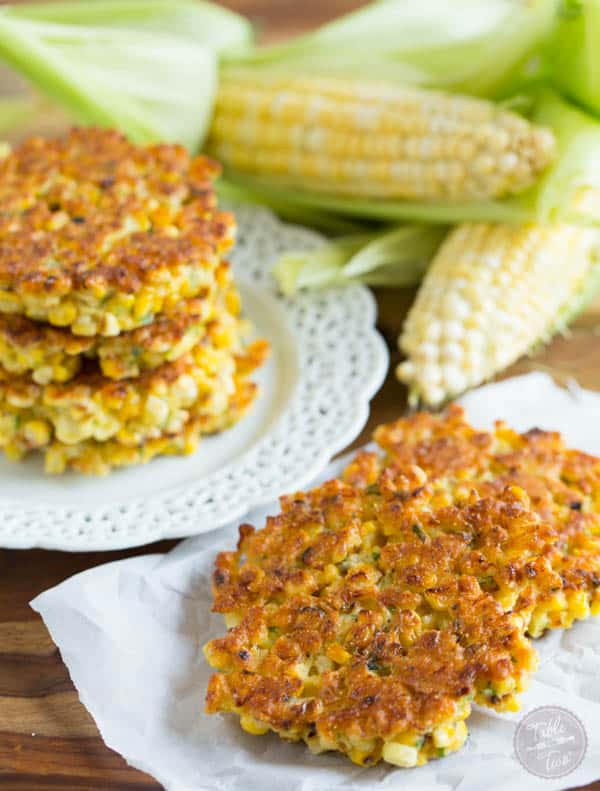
[(550, 742)]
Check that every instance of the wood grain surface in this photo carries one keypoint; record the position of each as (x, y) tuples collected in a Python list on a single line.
[(47, 738)]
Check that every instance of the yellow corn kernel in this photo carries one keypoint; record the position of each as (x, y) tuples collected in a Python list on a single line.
[(84, 325), (143, 305), (459, 735), (111, 367), (359, 756), (9, 303), (37, 433), (579, 607), (190, 445), (490, 294), (14, 451), (233, 302), (330, 574), (338, 654), (538, 623), (250, 725), (62, 314)]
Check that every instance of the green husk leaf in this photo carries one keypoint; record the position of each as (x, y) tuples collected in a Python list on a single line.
[(318, 268), (466, 45), (570, 190), (574, 52), (201, 22), (93, 60), (391, 250), (328, 222), (397, 257), (270, 192)]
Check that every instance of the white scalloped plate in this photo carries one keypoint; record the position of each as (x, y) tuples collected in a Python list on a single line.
[(327, 363)]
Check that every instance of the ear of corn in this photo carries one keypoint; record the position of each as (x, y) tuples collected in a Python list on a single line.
[(491, 293), (379, 140)]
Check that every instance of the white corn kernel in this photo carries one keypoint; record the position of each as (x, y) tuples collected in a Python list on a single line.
[(400, 754)]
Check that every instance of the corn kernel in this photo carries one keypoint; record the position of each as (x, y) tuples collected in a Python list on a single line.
[(37, 433), (63, 314), (253, 726), (338, 654), (400, 754)]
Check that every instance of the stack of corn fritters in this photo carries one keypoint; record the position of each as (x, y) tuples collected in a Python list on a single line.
[(372, 611), (120, 335)]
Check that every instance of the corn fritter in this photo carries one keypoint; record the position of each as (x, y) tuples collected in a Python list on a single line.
[(50, 354), (166, 411), (352, 629), (99, 458), (550, 573), (100, 235)]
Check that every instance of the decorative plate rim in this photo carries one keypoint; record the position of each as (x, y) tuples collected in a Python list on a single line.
[(338, 375)]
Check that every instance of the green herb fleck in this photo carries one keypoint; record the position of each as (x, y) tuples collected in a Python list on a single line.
[(488, 583), (420, 533)]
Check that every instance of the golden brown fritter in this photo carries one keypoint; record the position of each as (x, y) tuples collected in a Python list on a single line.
[(99, 458), (554, 578), (130, 413), (100, 235), (353, 627), (50, 354)]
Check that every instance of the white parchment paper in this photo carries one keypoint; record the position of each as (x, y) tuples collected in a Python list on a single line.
[(131, 634)]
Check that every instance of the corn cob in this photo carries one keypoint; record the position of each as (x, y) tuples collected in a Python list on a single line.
[(491, 293), (377, 140)]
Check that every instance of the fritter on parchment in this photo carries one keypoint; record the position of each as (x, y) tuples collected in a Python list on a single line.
[(353, 627), (550, 576)]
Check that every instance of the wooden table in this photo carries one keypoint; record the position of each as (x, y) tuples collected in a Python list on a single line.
[(47, 738)]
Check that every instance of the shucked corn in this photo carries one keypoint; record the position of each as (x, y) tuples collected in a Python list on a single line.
[(491, 293), (374, 139)]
